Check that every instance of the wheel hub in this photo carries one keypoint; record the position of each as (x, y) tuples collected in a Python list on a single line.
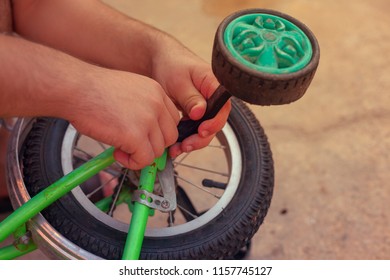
[(269, 36)]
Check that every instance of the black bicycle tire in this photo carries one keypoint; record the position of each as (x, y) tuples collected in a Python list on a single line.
[(219, 239)]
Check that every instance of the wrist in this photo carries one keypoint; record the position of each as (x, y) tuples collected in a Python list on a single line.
[(79, 92)]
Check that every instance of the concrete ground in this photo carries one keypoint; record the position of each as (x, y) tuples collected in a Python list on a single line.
[(331, 148)]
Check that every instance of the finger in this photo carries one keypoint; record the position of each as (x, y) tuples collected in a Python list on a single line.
[(124, 159), (175, 150), (194, 105), (190, 100), (156, 139), (195, 142), (209, 85), (143, 156), (172, 109), (168, 129), (215, 124)]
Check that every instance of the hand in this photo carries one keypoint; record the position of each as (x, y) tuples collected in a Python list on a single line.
[(189, 81), (130, 112)]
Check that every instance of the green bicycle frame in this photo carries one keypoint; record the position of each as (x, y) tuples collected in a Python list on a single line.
[(15, 222)]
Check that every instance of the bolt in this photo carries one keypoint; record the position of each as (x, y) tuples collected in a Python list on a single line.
[(24, 239), (165, 204)]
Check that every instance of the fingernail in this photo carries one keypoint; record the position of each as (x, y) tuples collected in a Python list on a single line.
[(204, 133)]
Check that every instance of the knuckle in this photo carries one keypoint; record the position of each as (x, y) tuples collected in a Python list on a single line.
[(190, 101), (156, 96), (171, 137), (140, 159), (174, 137)]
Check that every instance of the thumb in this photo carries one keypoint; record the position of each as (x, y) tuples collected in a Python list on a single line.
[(192, 103)]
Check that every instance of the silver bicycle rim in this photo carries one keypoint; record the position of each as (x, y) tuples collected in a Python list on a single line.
[(53, 244), (47, 238), (233, 157)]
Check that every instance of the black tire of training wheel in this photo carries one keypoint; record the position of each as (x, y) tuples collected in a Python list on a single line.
[(221, 238), (257, 87)]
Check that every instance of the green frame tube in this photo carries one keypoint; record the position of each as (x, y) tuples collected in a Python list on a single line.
[(139, 219), (14, 222), (55, 191), (17, 249), (23, 244)]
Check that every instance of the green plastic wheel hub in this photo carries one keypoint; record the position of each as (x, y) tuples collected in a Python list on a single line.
[(268, 43)]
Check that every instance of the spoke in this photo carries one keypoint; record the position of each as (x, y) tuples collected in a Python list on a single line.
[(101, 186), (115, 199), (89, 156), (115, 169), (184, 200), (80, 158), (183, 158), (209, 146), (102, 145), (243, 31), (187, 212), (268, 58), (217, 146), (291, 38), (114, 172), (198, 187), (203, 169), (284, 56), (243, 37), (251, 54)]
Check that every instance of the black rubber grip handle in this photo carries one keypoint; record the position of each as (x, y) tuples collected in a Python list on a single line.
[(214, 104)]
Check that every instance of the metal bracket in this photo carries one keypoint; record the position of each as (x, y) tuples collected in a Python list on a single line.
[(165, 203), (153, 201)]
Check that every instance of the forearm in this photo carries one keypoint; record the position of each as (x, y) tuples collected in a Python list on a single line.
[(36, 80), (91, 31), (94, 32)]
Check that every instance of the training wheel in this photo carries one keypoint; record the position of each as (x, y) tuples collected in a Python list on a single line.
[(264, 57)]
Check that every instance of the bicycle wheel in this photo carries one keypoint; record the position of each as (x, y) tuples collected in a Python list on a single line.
[(222, 201)]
